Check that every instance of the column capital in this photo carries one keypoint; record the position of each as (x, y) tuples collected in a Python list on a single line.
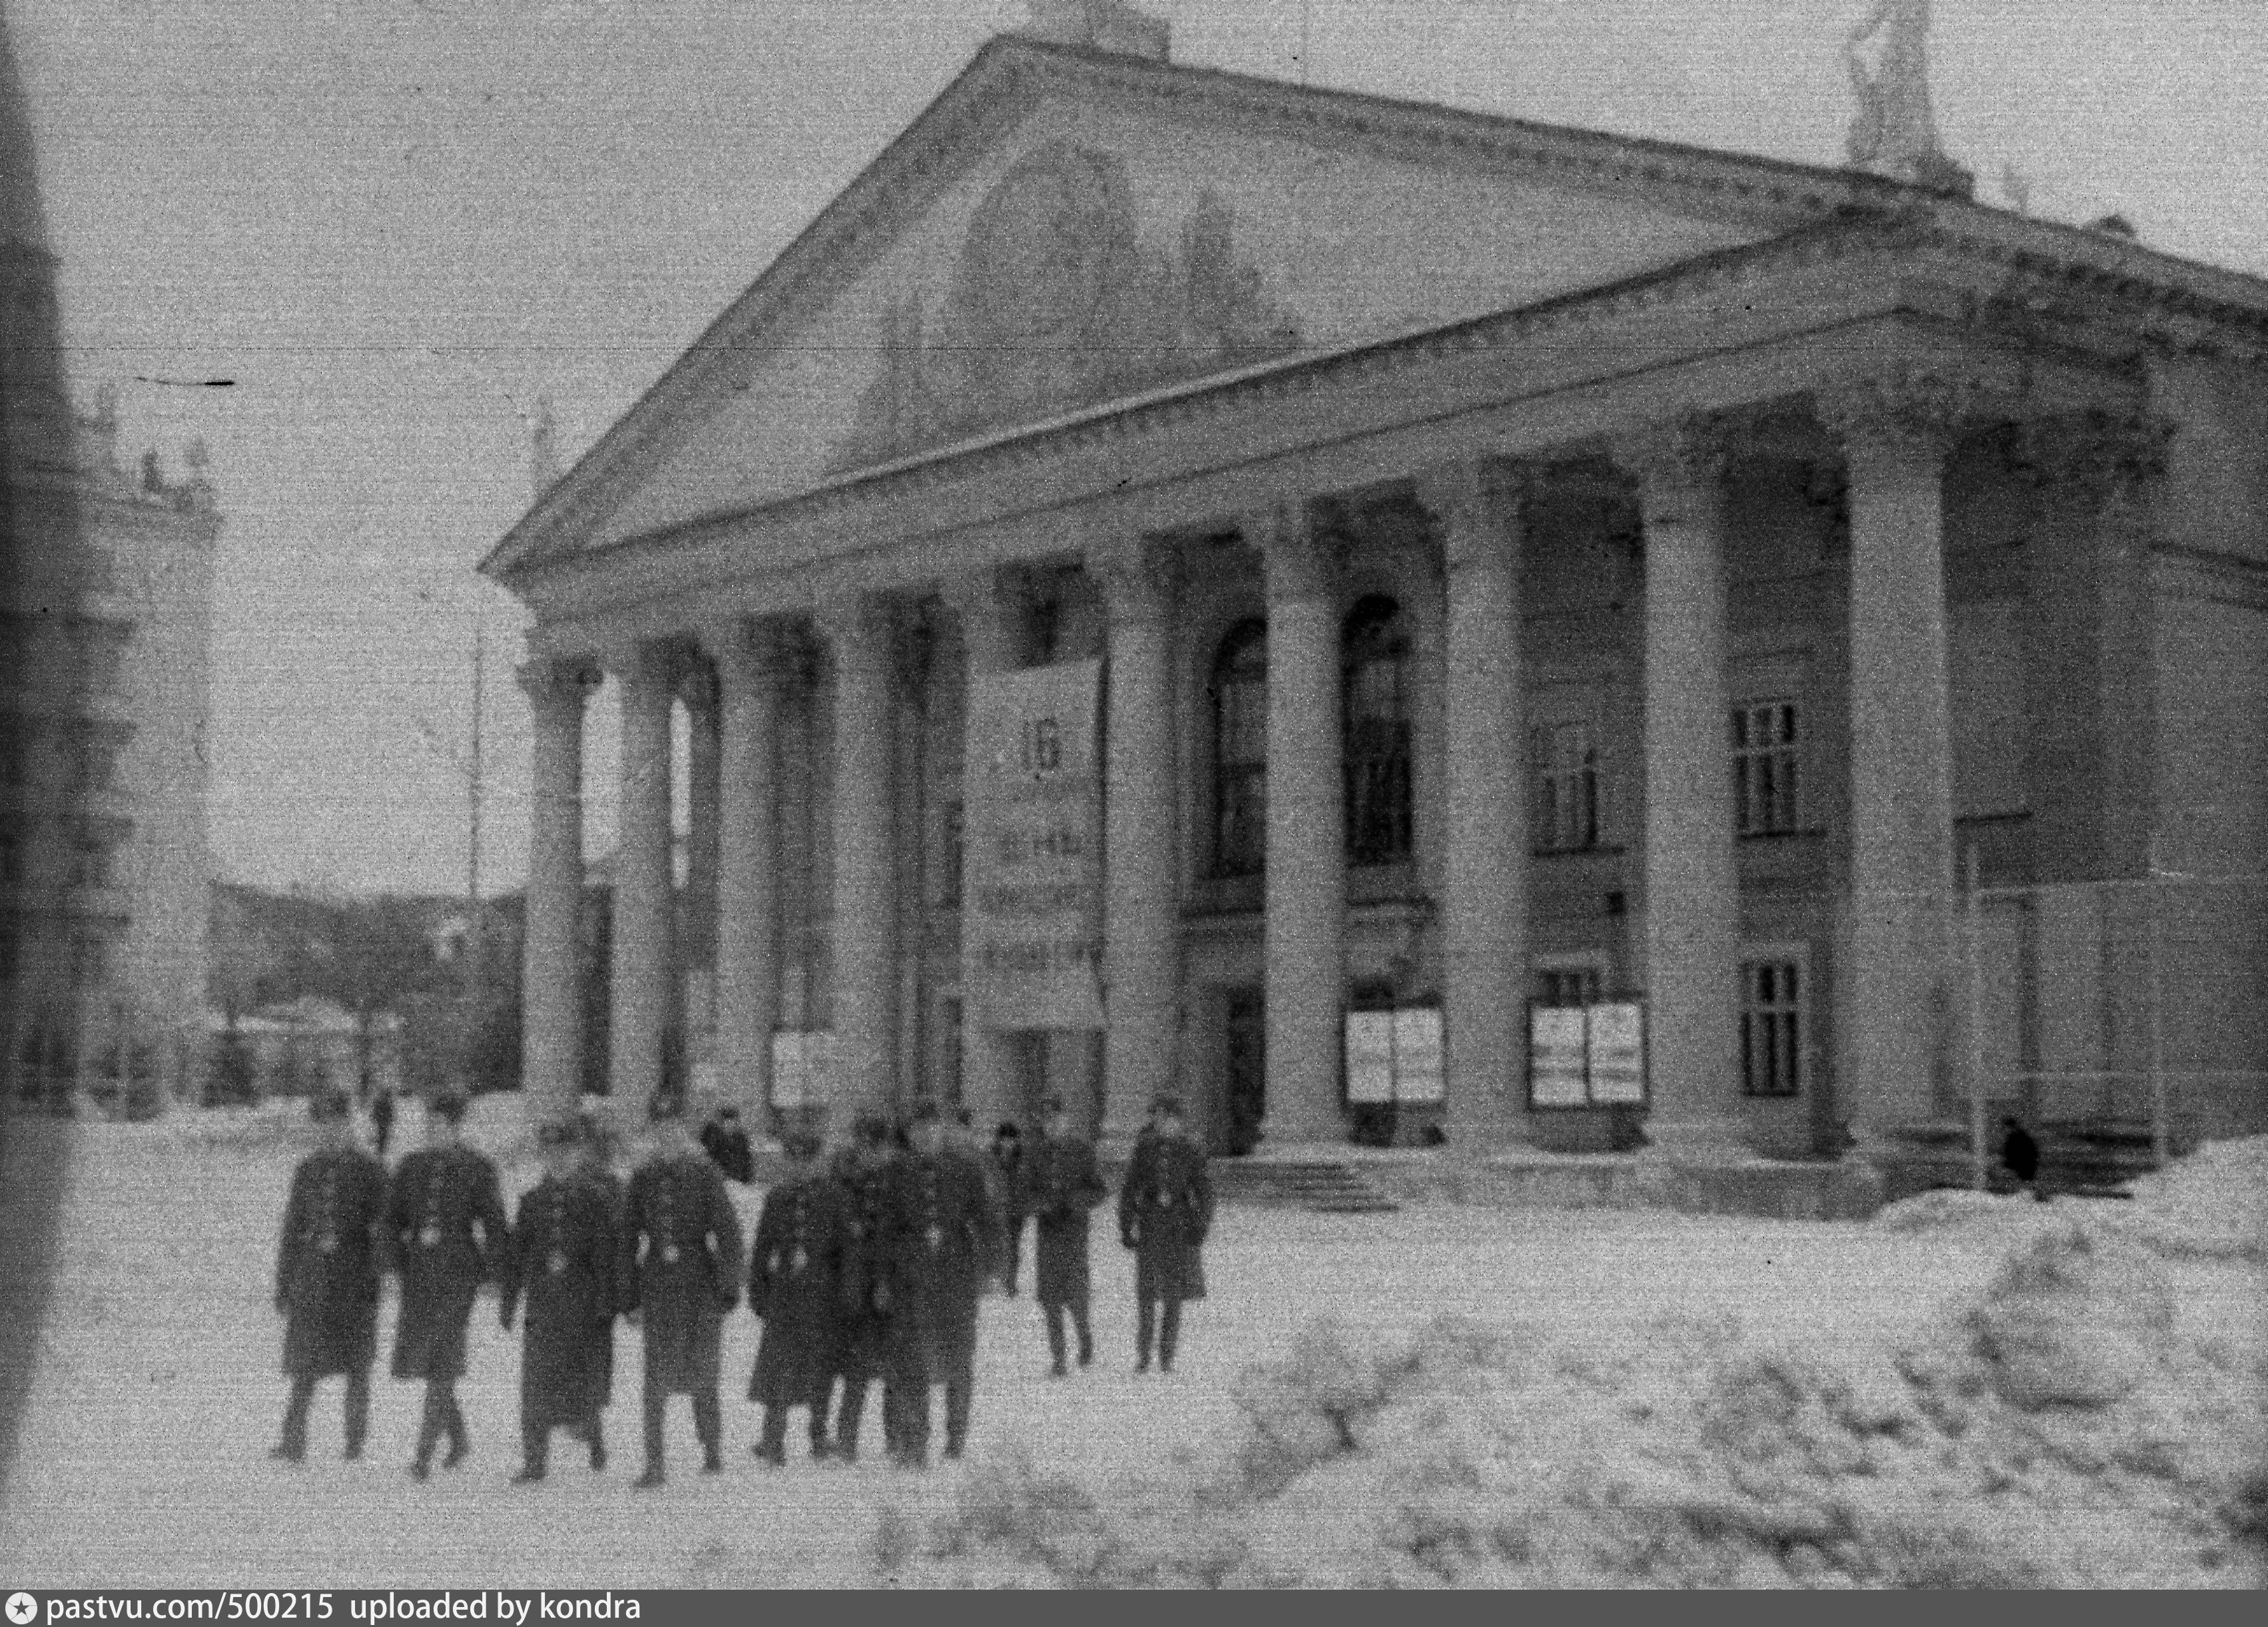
[(640, 661), (1908, 408), (1480, 505), (1139, 577), (1678, 460), (558, 684), (1300, 557), (2098, 456)]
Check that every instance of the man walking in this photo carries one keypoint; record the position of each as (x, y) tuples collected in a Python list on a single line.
[(1007, 1187), (795, 1290), (326, 1274), (681, 1259), (444, 1225), (562, 1261), (1165, 1210), (876, 1340), (1061, 1187), (948, 1251), (592, 1165)]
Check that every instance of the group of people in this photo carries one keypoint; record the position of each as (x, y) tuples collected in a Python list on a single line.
[(868, 1267)]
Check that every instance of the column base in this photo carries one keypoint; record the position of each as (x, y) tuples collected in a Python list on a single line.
[(1695, 1141)]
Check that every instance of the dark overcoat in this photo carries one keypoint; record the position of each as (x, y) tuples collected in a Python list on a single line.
[(682, 1258), (949, 1238), (445, 1228), (878, 1336), (559, 1269), (1165, 1210), (328, 1263), (1060, 1188), (795, 1288), (610, 1185)]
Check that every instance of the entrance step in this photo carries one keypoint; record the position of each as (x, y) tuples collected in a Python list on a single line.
[(1324, 1187)]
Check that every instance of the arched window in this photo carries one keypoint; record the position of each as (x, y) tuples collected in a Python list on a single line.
[(1375, 652), (1240, 751)]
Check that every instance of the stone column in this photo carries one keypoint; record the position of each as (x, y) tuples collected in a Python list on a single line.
[(551, 994), (703, 762), (1142, 916), (1898, 982), (644, 963), (1306, 832), (1692, 881), (1484, 892), (991, 643), (747, 860), (861, 632)]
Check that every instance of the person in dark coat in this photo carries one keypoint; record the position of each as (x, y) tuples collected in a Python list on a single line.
[(1060, 1188), (445, 1228), (795, 1290), (327, 1265), (593, 1163), (381, 1119), (876, 1339), (562, 1261), (948, 1248), (726, 1144), (1165, 1210), (1007, 1153), (2020, 1155), (681, 1244)]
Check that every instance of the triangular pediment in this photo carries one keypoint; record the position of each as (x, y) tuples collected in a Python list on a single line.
[(1062, 229)]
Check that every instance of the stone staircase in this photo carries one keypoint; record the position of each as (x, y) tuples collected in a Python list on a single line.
[(1324, 1187), (2078, 1158)]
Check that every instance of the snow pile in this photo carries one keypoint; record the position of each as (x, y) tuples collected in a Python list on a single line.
[(2057, 1429), (2211, 1204), (278, 1121), (1944, 1209)]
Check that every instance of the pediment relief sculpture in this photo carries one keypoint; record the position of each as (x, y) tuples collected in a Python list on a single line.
[(1055, 304)]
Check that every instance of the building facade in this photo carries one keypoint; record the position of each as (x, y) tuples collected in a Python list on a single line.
[(1525, 567)]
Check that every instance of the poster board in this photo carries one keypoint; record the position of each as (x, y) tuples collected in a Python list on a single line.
[(1369, 1057), (1033, 911), (1558, 1041), (1417, 1055), (1588, 1056)]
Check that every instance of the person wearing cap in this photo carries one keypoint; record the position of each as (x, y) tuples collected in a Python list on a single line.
[(795, 1290), (876, 1339), (444, 1227), (681, 1265), (1061, 1187), (1006, 1157), (1165, 1209), (328, 1264), (947, 1250), (592, 1165), (561, 1264)]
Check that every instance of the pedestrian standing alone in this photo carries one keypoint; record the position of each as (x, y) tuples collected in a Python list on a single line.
[(381, 1119), (561, 1268), (950, 1244), (795, 1290), (326, 1274), (1061, 1187), (681, 1259), (1165, 1210), (2020, 1155), (444, 1227), (876, 1339), (1007, 1154)]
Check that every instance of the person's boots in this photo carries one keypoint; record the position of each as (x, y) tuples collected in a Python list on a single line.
[(461, 1439), (595, 1433), (1085, 1336), (1169, 1336), (357, 1420), (293, 1446), (772, 1447), (708, 1426), (1145, 1327), (654, 1475), (534, 1448), (1056, 1367)]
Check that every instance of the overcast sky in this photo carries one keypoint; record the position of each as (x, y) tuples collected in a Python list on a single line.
[(397, 223)]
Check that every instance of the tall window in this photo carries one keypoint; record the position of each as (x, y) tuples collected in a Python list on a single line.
[(1771, 1027), (1240, 751), (1376, 653), (1566, 789), (1764, 769)]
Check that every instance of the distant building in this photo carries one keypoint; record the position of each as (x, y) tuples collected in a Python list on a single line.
[(1474, 568)]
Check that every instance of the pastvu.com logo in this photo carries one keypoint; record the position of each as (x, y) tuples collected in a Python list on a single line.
[(22, 1609)]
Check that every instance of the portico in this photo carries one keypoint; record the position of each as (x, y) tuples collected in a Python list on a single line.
[(1599, 636)]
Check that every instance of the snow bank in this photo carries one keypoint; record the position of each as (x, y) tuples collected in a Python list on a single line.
[(2056, 1428), (278, 1121)]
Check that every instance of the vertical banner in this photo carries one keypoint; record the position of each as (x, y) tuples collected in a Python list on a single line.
[(1033, 807), (1558, 1047), (1618, 1053)]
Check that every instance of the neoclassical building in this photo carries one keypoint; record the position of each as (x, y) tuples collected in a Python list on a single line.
[(1507, 566)]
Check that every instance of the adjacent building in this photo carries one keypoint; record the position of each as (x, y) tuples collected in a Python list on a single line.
[(1175, 576)]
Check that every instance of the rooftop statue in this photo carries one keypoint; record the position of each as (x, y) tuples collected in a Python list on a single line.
[(1894, 132)]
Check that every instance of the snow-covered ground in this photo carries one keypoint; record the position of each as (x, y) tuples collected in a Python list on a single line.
[(144, 1458)]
